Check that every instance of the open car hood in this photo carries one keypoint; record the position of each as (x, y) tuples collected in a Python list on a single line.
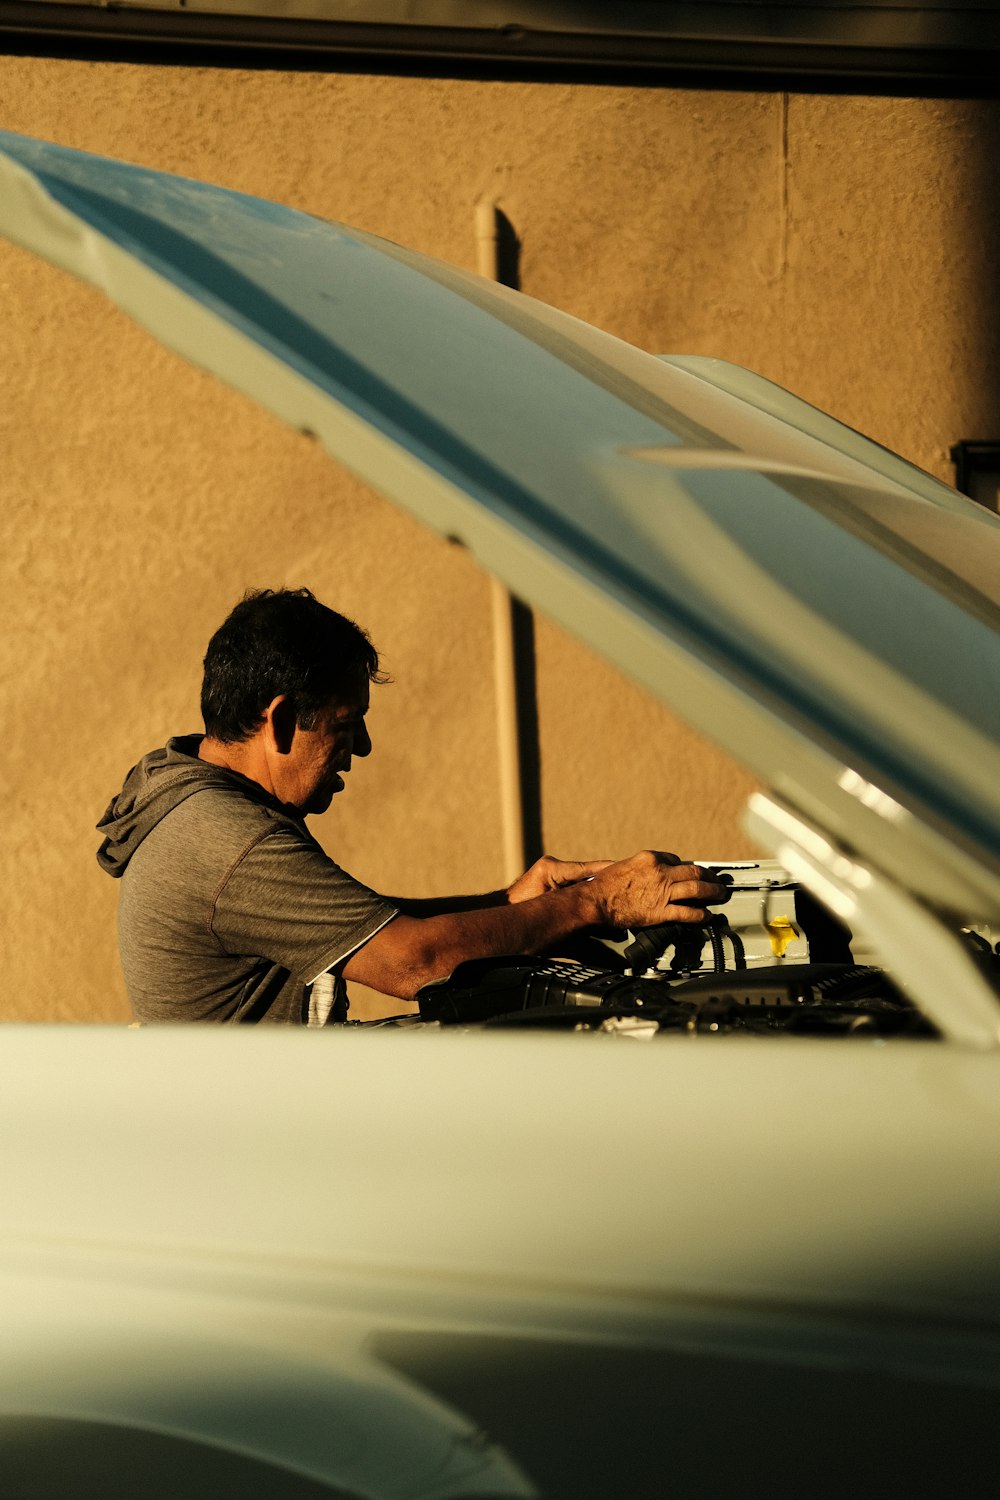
[(813, 603)]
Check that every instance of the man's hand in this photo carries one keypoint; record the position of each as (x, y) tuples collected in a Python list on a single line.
[(549, 874), (652, 887)]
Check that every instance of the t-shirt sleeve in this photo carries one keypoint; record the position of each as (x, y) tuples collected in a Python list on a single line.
[(284, 899)]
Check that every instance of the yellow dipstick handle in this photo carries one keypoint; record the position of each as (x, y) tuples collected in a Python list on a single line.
[(780, 931)]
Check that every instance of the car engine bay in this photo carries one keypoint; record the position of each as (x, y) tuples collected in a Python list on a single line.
[(774, 961)]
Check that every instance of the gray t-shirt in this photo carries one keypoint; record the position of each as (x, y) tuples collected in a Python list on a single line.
[(230, 909)]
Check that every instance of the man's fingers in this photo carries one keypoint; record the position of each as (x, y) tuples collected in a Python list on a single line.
[(683, 914), (551, 874), (696, 889), (569, 871)]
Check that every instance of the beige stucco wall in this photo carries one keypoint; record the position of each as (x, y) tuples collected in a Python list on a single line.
[(830, 243)]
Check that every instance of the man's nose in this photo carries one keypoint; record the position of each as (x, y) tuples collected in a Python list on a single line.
[(362, 745)]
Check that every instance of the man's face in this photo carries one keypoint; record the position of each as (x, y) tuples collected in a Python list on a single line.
[(314, 767)]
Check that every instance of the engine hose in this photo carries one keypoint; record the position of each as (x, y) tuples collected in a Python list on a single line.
[(715, 927)]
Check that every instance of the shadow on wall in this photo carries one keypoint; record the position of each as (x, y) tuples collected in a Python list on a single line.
[(508, 252), (509, 274), (982, 246)]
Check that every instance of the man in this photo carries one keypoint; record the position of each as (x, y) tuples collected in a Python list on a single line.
[(231, 911)]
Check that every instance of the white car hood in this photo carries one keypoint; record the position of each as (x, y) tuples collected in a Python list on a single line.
[(815, 604)]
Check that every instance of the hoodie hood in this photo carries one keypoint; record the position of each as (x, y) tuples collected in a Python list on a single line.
[(153, 788)]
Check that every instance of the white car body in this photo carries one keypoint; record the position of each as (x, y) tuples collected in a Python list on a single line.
[(548, 1265)]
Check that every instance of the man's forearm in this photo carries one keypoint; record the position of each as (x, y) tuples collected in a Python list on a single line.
[(411, 951)]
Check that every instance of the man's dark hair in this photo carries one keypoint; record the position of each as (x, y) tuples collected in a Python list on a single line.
[(281, 641)]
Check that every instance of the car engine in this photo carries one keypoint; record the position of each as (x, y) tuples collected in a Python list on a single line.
[(773, 961)]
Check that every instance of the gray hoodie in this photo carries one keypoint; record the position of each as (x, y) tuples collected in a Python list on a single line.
[(230, 909), (154, 787)]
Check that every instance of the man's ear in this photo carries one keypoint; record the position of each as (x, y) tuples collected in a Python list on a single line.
[(279, 723)]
